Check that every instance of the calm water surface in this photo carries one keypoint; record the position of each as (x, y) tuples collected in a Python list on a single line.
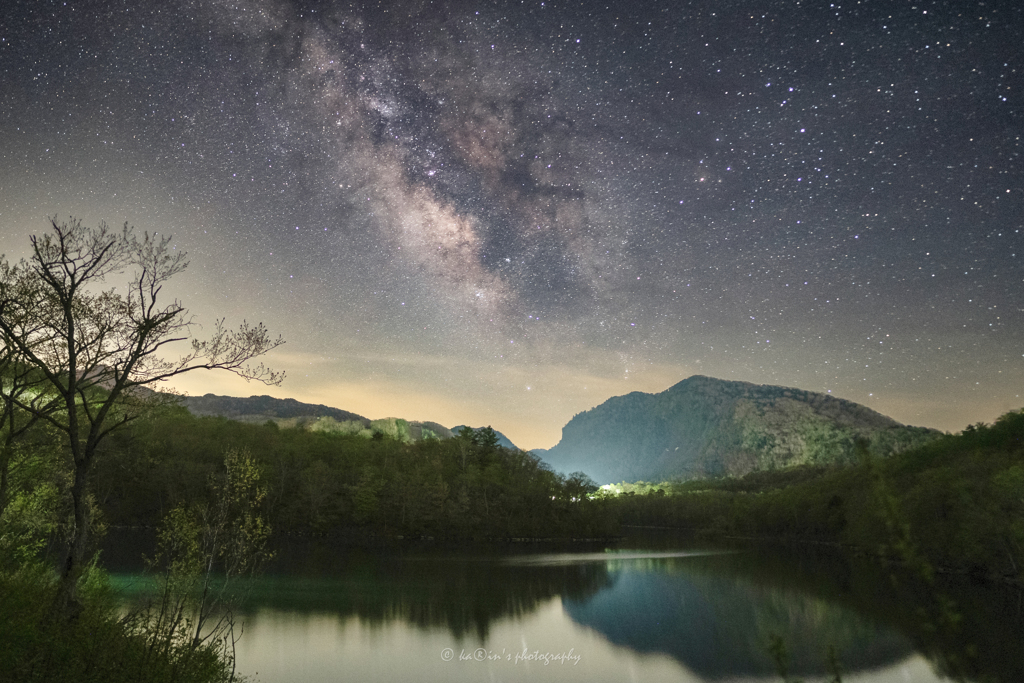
[(648, 609)]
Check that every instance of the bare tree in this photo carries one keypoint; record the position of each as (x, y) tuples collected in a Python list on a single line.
[(96, 350)]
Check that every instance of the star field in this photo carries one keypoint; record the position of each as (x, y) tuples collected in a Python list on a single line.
[(505, 213)]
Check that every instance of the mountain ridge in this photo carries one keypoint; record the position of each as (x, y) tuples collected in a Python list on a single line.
[(252, 408), (706, 427), (699, 427), (288, 412)]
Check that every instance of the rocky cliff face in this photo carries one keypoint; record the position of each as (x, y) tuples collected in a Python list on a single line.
[(705, 427)]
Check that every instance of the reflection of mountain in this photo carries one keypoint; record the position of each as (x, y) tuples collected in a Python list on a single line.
[(719, 627), (968, 630), (713, 613)]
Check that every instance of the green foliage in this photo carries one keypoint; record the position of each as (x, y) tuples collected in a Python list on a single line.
[(31, 518), (393, 427), (330, 425), (954, 503), (35, 489), (203, 548), (486, 438), (327, 481), (187, 635), (704, 427), (365, 501), (98, 646)]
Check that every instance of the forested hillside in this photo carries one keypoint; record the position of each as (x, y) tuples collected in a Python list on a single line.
[(322, 481), (956, 502), (706, 427), (288, 412)]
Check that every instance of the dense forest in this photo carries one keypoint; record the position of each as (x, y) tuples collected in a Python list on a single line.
[(323, 482), (953, 504), (213, 490)]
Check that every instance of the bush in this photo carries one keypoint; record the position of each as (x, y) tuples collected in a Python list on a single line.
[(97, 645)]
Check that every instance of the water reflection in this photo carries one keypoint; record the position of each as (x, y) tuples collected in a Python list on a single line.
[(720, 627), (640, 612), (695, 606), (464, 595), (969, 630), (610, 558)]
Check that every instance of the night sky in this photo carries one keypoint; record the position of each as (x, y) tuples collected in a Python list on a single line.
[(506, 213)]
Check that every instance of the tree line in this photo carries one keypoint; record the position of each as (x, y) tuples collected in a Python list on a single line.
[(467, 487), (955, 503)]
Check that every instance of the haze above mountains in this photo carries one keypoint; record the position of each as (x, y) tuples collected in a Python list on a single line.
[(700, 427)]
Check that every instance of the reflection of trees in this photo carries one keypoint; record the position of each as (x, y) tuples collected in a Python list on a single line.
[(967, 629), (713, 613), (464, 595), (812, 598)]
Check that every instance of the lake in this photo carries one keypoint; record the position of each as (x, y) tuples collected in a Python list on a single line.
[(651, 607)]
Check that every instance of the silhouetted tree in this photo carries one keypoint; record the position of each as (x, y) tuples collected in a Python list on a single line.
[(96, 350), (486, 438)]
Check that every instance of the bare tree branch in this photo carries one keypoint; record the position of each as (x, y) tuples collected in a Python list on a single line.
[(88, 352)]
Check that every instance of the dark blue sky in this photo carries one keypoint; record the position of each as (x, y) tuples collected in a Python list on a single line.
[(504, 213)]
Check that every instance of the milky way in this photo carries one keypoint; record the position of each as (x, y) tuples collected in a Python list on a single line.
[(504, 213)]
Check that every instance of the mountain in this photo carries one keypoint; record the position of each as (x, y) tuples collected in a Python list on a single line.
[(706, 427), (263, 408), (287, 412)]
